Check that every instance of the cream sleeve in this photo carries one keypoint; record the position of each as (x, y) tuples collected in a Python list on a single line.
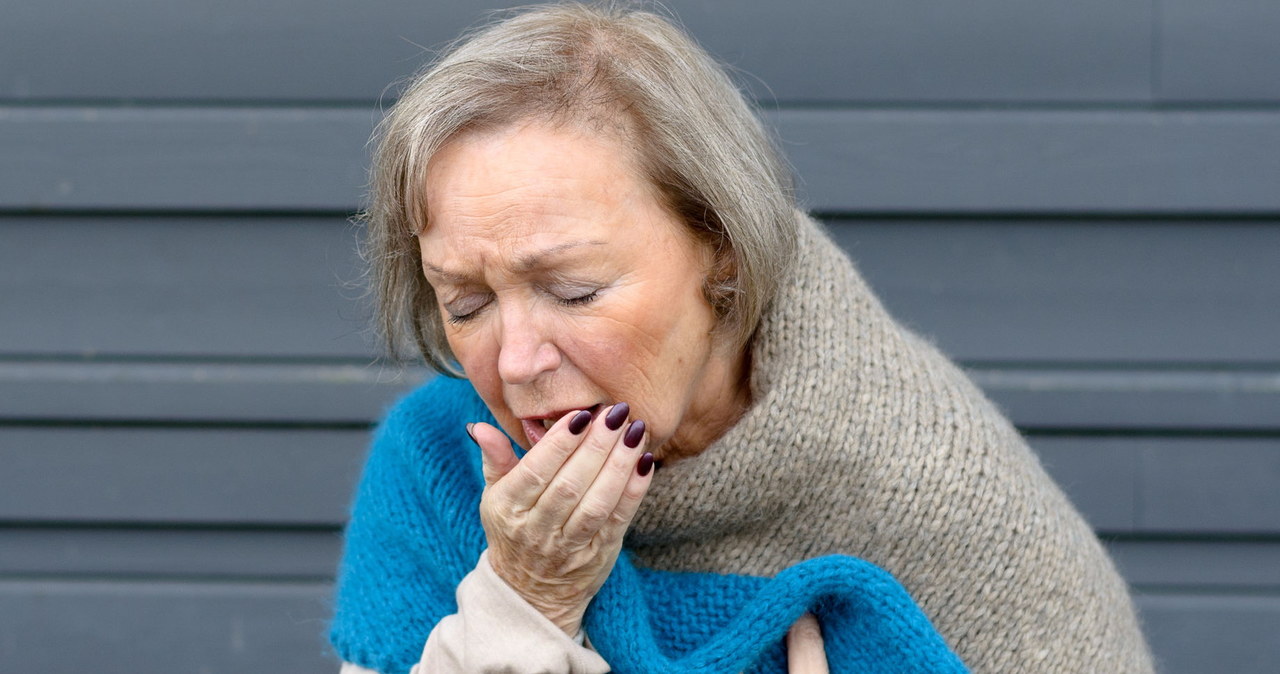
[(495, 630)]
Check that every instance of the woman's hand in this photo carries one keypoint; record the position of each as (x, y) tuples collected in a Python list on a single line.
[(805, 652), (555, 519)]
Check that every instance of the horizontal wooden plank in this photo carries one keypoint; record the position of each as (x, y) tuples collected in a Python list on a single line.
[(987, 50), (154, 552), (1184, 485), (982, 161), (163, 475), (857, 161), (810, 50), (1091, 291), (275, 553), (1159, 565), (273, 477), (267, 287), (1039, 399), (55, 626), (1236, 490), (145, 627), (1102, 480), (1225, 50), (1192, 634), (183, 158), (55, 391), (324, 394), (1022, 291)]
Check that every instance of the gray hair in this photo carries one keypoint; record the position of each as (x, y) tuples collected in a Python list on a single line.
[(694, 136)]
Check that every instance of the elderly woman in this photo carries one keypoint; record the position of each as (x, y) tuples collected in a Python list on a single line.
[(719, 428)]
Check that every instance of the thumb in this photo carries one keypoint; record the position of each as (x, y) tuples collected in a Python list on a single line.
[(495, 451)]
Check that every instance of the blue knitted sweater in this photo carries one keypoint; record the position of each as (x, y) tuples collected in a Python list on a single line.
[(415, 532)]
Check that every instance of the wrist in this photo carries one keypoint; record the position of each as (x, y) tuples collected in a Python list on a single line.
[(568, 620), (565, 613)]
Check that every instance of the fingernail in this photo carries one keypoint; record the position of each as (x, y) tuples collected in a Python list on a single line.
[(645, 465), (618, 414), (470, 434), (635, 433), (580, 421)]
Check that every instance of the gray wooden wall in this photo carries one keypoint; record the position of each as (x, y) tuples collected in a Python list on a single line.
[(1078, 200)]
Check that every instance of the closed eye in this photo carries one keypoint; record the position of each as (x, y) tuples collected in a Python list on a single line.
[(466, 309), (579, 300), (458, 320)]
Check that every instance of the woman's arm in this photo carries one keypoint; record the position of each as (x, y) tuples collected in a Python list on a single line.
[(495, 630)]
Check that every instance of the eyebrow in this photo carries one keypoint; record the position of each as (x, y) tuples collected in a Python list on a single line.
[(523, 264)]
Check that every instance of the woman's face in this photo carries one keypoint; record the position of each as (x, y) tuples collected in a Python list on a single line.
[(564, 284)]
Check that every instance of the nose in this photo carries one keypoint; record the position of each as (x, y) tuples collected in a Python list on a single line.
[(526, 349)]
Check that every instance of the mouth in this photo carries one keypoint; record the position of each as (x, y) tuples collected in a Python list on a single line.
[(536, 427)]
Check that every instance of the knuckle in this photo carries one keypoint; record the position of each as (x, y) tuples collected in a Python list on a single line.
[(566, 490), (617, 520), (610, 535), (594, 512), (599, 443), (579, 530), (492, 507), (530, 477), (621, 463), (560, 443), (633, 493)]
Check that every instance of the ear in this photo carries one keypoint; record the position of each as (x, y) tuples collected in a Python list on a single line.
[(721, 284)]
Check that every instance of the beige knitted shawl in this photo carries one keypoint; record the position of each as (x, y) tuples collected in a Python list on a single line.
[(864, 440)]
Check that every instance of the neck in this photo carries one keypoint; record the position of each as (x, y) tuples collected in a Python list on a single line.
[(725, 397)]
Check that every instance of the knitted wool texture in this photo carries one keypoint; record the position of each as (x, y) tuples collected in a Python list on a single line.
[(416, 532), (862, 440)]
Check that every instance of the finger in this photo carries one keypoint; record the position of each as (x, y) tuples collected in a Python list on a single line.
[(530, 477), (641, 477), (805, 652), (601, 500), (571, 483), (496, 454)]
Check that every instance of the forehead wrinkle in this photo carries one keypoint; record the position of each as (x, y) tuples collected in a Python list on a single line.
[(533, 260), (523, 264), (450, 276)]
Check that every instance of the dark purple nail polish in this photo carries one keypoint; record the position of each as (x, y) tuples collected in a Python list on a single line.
[(613, 420), (634, 434), (645, 465), (580, 421), (470, 434)]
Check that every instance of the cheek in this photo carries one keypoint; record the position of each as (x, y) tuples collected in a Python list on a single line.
[(644, 353), (605, 353), (472, 350), (627, 336), (478, 357)]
